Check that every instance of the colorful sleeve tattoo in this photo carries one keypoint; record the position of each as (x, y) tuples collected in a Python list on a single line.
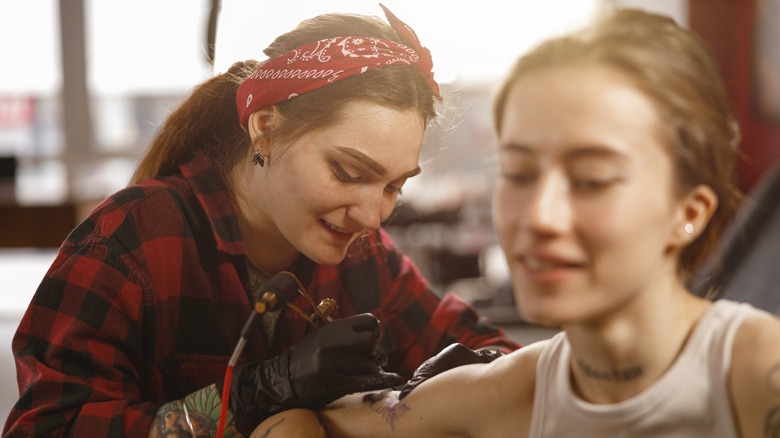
[(196, 415)]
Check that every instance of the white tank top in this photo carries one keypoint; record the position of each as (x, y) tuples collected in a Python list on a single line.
[(690, 399)]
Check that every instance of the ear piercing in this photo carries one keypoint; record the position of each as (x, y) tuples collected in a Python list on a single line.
[(689, 228), (258, 158)]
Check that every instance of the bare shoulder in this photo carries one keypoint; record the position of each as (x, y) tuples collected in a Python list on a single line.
[(529, 355), (755, 375), (520, 364), (512, 379)]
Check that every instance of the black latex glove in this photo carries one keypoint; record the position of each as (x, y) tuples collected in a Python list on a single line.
[(453, 356), (339, 358)]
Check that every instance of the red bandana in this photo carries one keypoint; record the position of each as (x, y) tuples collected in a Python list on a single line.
[(322, 62)]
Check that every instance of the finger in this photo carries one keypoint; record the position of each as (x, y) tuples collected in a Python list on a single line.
[(380, 355), (418, 377), (365, 322), (360, 342), (406, 389), (355, 365), (372, 382)]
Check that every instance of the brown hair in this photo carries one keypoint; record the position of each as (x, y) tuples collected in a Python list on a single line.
[(676, 69), (207, 120)]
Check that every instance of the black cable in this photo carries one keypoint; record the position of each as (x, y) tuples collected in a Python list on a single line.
[(211, 31)]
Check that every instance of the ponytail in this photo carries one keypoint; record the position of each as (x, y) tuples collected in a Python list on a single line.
[(207, 121)]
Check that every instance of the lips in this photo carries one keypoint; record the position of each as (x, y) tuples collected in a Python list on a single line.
[(548, 269), (537, 264), (339, 233), (544, 264)]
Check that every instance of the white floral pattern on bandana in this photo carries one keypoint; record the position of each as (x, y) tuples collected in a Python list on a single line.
[(314, 65)]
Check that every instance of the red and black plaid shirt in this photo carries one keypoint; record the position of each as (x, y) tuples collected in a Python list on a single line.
[(146, 300)]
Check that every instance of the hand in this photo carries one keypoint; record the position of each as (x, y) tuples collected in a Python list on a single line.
[(453, 356), (340, 358)]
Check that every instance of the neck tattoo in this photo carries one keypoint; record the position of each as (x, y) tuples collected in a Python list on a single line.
[(611, 375)]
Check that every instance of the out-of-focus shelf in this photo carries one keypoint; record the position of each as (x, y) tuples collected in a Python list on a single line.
[(44, 226)]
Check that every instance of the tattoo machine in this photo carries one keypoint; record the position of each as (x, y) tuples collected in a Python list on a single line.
[(279, 291)]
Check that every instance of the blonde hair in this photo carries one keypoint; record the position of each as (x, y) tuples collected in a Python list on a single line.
[(676, 69)]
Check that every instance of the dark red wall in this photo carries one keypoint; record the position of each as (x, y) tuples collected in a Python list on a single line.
[(728, 26)]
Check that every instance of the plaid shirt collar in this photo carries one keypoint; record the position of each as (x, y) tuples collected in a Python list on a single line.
[(214, 196)]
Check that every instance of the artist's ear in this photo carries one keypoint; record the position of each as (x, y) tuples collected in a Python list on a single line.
[(262, 122), (695, 212)]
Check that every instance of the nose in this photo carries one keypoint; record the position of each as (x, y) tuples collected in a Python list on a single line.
[(549, 210), (371, 207)]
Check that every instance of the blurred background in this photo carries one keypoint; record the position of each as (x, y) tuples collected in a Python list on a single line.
[(84, 84)]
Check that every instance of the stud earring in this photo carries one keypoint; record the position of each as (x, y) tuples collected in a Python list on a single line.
[(688, 228), (258, 158)]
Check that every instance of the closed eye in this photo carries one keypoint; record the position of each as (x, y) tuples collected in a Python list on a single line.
[(519, 178), (342, 174), (394, 190), (588, 185)]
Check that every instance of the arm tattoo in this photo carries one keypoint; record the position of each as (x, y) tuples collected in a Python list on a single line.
[(196, 415), (390, 410), (772, 423), (772, 379), (270, 429), (772, 418)]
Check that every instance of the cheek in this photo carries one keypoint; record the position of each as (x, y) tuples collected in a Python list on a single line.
[(505, 214), (299, 183), (629, 233)]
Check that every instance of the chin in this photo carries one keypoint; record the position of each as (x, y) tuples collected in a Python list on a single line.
[(538, 318), (546, 311), (327, 258)]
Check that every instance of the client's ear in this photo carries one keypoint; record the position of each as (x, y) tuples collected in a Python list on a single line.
[(696, 210)]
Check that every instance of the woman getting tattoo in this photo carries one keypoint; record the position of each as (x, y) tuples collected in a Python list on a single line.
[(617, 151)]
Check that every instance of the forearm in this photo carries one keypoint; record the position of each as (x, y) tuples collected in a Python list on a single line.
[(193, 416), (295, 423)]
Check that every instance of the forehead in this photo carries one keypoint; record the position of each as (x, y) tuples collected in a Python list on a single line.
[(387, 135), (573, 106)]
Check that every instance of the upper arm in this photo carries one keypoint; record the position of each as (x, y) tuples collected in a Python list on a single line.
[(424, 412), (470, 400), (77, 339), (755, 377)]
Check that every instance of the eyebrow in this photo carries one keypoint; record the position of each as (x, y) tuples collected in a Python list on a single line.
[(585, 151), (517, 147), (373, 165), (596, 152)]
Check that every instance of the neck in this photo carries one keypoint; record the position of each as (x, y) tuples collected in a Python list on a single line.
[(266, 247), (619, 356), (610, 375)]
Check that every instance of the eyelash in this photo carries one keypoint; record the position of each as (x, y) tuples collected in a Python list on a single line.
[(342, 175), (592, 185), (583, 185), (518, 178)]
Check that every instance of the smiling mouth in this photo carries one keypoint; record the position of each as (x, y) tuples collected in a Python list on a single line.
[(337, 230), (541, 265)]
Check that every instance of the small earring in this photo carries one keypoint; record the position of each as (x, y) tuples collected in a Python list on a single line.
[(689, 228), (258, 158)]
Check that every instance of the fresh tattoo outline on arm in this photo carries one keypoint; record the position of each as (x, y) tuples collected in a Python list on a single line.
[(383, 404), (268, 432), (772, 417)]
